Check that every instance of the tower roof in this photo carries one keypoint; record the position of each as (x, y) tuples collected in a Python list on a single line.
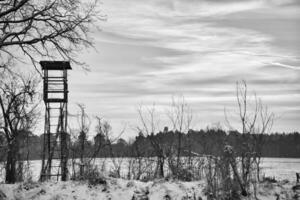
[(55, 65)]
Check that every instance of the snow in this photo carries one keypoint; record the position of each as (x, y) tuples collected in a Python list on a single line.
[(120, 189), (282, 169), (279, 168), (115, 189)]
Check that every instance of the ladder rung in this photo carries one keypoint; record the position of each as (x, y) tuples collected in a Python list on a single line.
[(49, 77), (55, 91), (55, 83)]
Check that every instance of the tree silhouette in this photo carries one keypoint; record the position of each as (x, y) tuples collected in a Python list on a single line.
[(18, 113), (38, 27)]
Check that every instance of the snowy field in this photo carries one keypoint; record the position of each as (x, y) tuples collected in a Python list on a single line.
[(280, 168), (120, 189), (117, 189)]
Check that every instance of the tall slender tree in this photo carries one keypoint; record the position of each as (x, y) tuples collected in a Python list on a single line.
[(18, 113)]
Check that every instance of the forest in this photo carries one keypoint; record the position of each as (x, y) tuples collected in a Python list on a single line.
[(201, 142)]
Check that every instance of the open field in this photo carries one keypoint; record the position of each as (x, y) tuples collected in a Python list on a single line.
[(279, 168)]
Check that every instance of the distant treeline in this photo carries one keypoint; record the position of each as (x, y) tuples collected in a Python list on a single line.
[(202, 142), (212, 142)]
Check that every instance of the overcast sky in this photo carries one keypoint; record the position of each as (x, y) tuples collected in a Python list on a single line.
[(150, 50)]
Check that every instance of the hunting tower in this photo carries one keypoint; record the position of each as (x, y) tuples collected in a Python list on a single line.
[(55, 148)]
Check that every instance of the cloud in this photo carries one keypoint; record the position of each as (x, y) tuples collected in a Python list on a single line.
[(151, 50), (284, 65)]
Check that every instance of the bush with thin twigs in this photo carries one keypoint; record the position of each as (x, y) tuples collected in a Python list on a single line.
[(226, 178), (92, 175)]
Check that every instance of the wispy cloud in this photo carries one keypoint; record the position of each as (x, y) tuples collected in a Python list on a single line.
[(284, 65), (150, 50)]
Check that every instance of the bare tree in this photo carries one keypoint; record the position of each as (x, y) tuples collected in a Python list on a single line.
[(84, 125), (104, 139), (181, 117), (149, 126), (255, 120), (139, 157), (38, 27), (254, 116), (99, 139), (18, 111), (180, 114)]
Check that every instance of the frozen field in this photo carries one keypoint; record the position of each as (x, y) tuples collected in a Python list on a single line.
[(280, 168)]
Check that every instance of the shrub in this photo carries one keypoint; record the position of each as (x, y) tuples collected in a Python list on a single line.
[(92, 175), (269, 179)]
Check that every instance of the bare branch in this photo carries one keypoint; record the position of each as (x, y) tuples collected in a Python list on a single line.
[(51, 28)]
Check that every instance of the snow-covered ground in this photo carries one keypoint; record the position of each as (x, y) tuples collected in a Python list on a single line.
[(120, 189), (115, 189), (283, 169)]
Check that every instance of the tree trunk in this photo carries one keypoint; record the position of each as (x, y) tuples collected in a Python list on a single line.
[(238, 178), (178, 153), (64, 156), (11, 160), (161, 167), (82, 153)]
